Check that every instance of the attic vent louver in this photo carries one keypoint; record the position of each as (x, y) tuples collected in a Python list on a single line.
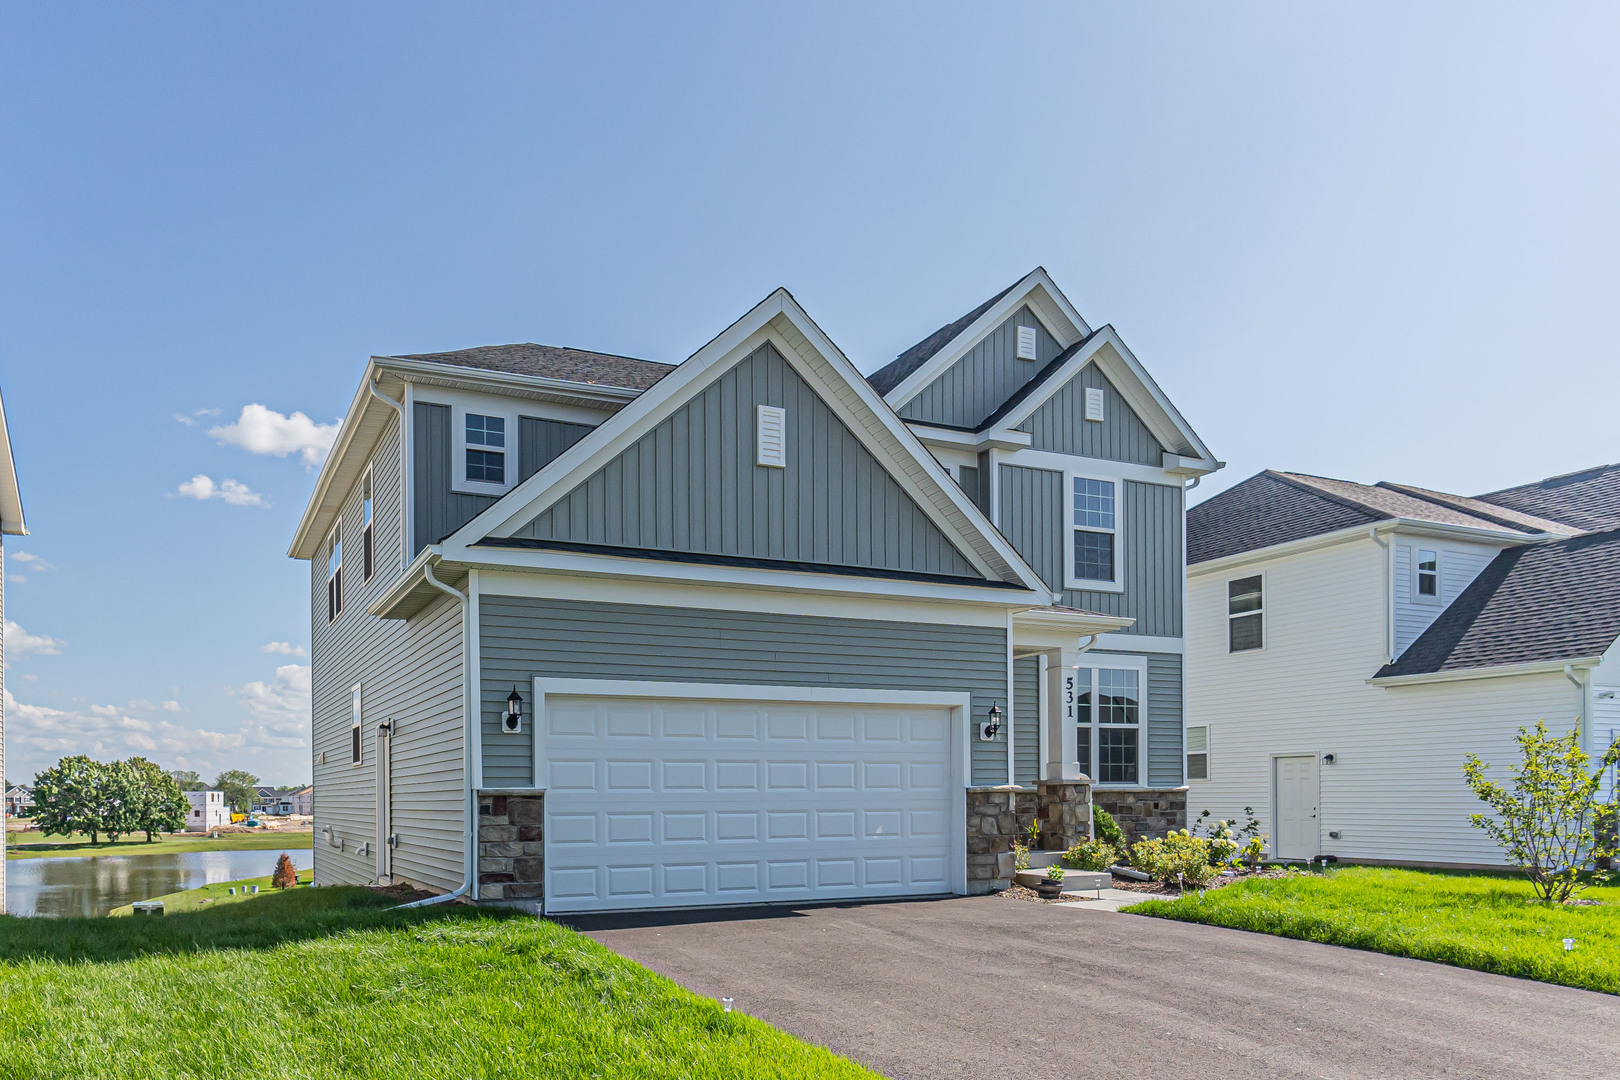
[(1026, 343), (771, 437), (1094, 403)]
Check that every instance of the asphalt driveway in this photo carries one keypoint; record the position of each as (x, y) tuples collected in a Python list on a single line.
[(985, 988)]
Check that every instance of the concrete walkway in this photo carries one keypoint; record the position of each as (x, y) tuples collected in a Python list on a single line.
[(989, 988)]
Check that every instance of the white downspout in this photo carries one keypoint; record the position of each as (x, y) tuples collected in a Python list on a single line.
[(1389, 595), (468, 714), (1011, 694), (1582, 722)]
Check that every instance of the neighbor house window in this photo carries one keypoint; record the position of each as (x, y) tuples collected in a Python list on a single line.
[(1096, 532), (1108, 711), (1198, 752), (355, 745), (1426, 586), (334, 575), (486, 449), (365, 526), (1245, 614)]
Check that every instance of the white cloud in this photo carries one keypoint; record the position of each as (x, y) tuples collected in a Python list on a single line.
[(202, 487), (259, 430), (285, 648), (279, 710), (20, 641), (30, 560), (191, 420)]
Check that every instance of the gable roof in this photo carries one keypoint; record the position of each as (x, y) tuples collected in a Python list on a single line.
[(11, 508), (781, 320), (1274, 507), (893, 373), (1589, 499), (552, 362), (1553, 602)]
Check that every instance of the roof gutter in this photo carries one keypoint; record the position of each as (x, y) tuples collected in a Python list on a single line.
[(471, 808), (1495, 671)]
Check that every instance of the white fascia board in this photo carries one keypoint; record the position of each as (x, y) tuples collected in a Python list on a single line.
[(315, 524), (1497, 671), (1144, 643), (1050, 305), (855, 402), (1099, 468), (479, 380), (412, 576), (957, 439), (826, 695), (1441, 530), (1291, 548), (1184, 466), (11, 508)]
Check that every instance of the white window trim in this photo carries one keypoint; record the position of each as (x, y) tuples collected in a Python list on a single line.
[(1209, 760), (1087, 584), (1091, 663), (1265, 623), (458, 442), (355, 706), (1439, 568), (334, 610), (368, 572)]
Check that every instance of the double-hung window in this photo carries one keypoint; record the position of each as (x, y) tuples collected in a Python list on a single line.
[(1108, 715), (485, 450), (334, 575), (365, 526), (1426, 577), (356, 746), (1245, 614), (1094, 527), (1198, 752)]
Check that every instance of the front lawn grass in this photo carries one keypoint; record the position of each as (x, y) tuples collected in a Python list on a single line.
[(205, 896), (35, 845), (1485, 922), (332, 982)]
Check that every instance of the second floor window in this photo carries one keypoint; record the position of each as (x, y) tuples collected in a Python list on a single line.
[(1427, 584), (334, 576), (486, 449), (365, 526), (1245, 614), (1095, 531)]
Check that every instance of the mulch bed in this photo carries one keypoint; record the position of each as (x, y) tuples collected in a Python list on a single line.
[(401, 894), (1019, 892)]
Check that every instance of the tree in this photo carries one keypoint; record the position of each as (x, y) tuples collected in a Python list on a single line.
[(238, 785), (162, 806), (1544, 817), (285, 876), (68, 798), (188, 780), (120, 799)]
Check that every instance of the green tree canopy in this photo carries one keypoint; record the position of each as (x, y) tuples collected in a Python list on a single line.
[(188, 780), (238, 785), (68, 798), (162, 806)]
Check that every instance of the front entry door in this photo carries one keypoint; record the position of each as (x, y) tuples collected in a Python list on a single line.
[(1296, 789)]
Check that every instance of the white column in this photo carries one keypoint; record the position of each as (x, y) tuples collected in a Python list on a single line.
[(1063, 713)]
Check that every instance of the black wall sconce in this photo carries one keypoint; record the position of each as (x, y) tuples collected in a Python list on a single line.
[(512, 719), (992, 728)]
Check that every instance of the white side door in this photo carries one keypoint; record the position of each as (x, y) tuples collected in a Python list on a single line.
[(1297, 796)]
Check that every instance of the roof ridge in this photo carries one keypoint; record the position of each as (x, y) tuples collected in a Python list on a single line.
[(1549, 479), (1293, 479), (1428, 495)]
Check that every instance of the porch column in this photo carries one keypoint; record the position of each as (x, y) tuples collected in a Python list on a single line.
[(1062, 752)]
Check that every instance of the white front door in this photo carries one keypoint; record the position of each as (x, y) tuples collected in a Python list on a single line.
[(1296, 788), (665, 801)]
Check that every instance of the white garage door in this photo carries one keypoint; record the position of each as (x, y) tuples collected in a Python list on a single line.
[(659, 800)]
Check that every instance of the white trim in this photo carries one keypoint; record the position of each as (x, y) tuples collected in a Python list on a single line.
[(1094, 661), (1497, 671), (1100, 467), (474, 673), (368, 506), (356, 723), (770, 436), (539, 388), (1187, 751), (507, 414), (1012, 674), (960, 704), (334, 597), (11, 507), (1265, 623), (1143, 643), (1406, 526), (1070, 579), (1418, 597), (407, 526), (933, 436)]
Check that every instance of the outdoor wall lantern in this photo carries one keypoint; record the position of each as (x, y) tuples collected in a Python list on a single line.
[(990, 730), (512, 722)]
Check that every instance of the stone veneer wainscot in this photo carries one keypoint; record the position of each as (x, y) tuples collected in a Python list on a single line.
[(511, 845)]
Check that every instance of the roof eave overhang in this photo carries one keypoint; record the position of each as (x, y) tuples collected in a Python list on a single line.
[(12, 522), (1359, 532), (539, 387), (1038, 628), (973, 441), (1492, 671)]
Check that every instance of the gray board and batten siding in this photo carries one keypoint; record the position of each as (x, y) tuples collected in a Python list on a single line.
[(988, 374), (440, 510), (1060, 425), (410, 673), (1035, 520), (524, 637), (1162, 739), (692, 485), (1026, 720)]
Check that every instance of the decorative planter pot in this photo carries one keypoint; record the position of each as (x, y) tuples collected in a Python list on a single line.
[(1049, 890)]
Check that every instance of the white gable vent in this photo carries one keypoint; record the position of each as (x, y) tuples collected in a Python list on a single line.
[(1026, 343), (771, 436), (1094, 403)]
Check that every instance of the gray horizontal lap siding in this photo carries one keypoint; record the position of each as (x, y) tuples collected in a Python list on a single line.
[(1164, 720), (410, 673), (524, 637), (440, 511), (1026, 720), (692, 485), (987, 375), (1035, 520), (1060, 424)]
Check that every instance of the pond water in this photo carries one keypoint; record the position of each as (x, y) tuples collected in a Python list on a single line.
[(94, 885)]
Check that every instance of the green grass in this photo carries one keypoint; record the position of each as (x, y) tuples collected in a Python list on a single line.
[(33, 845), (1484, 922), (332, 983), (209, 895)]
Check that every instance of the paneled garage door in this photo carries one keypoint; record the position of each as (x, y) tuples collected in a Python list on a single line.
[(672, 799)]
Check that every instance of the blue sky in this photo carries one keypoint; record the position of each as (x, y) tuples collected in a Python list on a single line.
[(1357, 240)]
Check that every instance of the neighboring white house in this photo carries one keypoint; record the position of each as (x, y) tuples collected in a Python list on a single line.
[(11, 524), (1348, 645), (302, 800), (208, 811), (19, 800)]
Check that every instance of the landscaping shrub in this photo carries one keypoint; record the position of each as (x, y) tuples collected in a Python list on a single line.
[(1180, 858), (285, 877), (1104, 827), (1091, 855)]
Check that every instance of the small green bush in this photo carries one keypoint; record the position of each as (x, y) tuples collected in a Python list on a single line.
[(1020, 856), (1180, 858), (1104, 827), (1091, 855), (1054, 873)]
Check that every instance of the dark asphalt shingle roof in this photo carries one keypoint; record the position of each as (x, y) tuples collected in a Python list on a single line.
[(1589, 499), (894, 373), (1544, 602), (1278, 507), (552, 362)]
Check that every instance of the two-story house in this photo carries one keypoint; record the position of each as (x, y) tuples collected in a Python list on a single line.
[(605, 633), (1350, 644), (11, 524)]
